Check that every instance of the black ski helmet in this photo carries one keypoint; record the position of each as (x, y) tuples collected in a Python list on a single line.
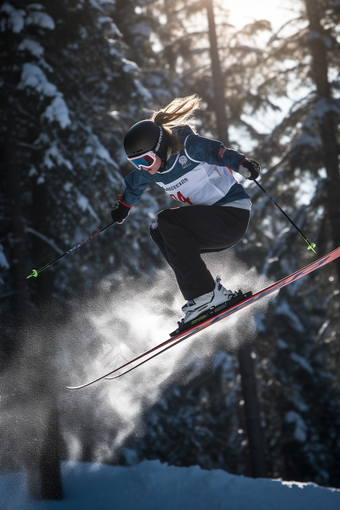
[(146, 136)]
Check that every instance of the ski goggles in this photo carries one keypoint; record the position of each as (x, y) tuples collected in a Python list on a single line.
[(147, 160)]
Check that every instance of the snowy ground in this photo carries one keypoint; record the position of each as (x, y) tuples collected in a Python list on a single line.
[(152, 485)]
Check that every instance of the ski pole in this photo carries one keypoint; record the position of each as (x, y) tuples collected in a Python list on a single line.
[(35, 272), (311, 246)]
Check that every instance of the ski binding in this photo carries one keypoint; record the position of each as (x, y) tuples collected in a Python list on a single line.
[(183, 326)]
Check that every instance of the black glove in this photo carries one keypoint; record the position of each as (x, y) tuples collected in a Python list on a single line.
[(120, 211), (250, 169)]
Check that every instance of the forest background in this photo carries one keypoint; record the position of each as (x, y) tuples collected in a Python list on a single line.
[(75, 75)]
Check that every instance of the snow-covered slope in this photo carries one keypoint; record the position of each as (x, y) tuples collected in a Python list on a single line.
[(151, 485)]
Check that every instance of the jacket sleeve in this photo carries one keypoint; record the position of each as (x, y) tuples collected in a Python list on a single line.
[(136, 182), (213, 152)]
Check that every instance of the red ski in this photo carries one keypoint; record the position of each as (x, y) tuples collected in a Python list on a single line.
[(226, 312)]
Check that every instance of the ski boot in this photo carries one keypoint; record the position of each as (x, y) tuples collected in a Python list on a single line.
[(207, 305)]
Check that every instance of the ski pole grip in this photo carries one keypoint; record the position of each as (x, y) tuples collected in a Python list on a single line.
[(34, 273)]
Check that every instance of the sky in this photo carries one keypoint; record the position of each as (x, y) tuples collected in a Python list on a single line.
[(244, 11), (278, 13)]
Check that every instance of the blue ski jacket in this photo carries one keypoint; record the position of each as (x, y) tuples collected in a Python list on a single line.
[(199, 175)]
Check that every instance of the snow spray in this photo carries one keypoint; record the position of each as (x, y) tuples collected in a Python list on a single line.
[(128, 316)]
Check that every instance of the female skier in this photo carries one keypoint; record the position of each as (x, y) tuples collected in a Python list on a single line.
[(194, 171)]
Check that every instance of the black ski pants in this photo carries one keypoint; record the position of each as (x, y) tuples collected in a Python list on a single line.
[(183, 233)]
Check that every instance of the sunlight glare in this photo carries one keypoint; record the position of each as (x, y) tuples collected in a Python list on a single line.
[(245, 11)]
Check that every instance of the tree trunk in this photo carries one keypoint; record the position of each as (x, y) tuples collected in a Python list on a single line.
[(253, 421), (257, 455), (50, 475), (328, 128), (39, 446), (43, 471), (217, 78), (17, 240)]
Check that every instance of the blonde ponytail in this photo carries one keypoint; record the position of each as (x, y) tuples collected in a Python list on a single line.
[(174, 115), (177, 112)]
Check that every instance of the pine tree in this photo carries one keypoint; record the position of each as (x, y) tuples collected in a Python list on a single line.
[(296, 368), (67, 77), (70, 95)]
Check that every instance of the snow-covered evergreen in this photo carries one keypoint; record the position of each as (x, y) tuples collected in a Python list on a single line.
[(72, 93)]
